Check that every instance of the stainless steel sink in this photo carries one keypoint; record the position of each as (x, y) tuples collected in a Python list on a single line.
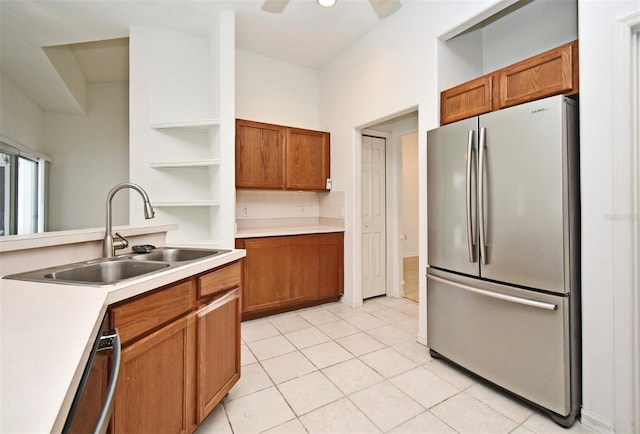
[(106, 273), (110, 271), (92, 273), (175, 254)]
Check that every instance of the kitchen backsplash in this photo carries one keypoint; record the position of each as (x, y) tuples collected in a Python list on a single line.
[(254, 204)]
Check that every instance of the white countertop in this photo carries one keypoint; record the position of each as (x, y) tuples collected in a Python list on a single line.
[(47, 331), (275, 231), (10, 243)]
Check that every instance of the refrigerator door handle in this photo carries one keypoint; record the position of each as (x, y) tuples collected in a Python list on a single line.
[(481, 199), (470, 239), (510, 298)]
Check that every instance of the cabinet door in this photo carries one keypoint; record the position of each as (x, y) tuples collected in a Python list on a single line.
[(266, 273), (259, 155), (291, 272), (316, 264), (155, 387), (469, 99), (218, 359), (550, 73), (307, 156)]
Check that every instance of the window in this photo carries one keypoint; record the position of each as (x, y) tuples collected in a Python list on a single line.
[(22, 192)]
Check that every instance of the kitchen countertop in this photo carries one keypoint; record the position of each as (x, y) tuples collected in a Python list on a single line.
[(47, 331), (275, 231)]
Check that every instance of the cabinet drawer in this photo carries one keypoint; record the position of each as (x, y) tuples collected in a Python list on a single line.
[(221, 279), (144, 314), (504, 334)]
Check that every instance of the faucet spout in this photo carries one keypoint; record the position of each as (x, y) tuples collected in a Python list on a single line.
[(110, 245)]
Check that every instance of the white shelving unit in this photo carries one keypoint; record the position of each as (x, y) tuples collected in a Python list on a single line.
[(191, 198), (179, 164), (182, 118)]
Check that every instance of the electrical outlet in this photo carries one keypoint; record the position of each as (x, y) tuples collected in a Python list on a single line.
[(301, 211), (342, 211), (245, 212)]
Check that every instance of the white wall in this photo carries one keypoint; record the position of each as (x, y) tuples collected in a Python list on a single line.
[(596, 20), (90, 155), (276, 92), (519, 35), (20, 118), (410, 196)]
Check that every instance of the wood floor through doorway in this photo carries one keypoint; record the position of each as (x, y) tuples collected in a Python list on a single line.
[(410, 270)]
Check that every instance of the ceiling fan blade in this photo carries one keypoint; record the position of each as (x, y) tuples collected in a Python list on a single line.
[(274, 6), (384, 8)]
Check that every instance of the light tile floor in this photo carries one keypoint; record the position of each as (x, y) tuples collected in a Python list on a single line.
[(333, 369)]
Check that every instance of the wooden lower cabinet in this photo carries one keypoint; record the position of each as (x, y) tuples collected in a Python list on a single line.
[(154, 393), (175, 369), (218, 358), (291, 272)]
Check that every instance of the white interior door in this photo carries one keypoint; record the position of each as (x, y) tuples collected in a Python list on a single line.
[(373, 217)]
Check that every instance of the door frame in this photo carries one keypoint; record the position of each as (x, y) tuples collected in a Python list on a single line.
[(626, 230)]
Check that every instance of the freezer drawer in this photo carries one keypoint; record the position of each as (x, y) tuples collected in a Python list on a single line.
[(517, 339)]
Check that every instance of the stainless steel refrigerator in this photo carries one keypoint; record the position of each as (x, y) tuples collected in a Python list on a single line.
[(503, 280)]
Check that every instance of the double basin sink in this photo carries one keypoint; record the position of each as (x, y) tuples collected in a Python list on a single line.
[(111, 271)]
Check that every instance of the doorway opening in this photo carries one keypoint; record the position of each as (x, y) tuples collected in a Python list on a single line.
[(390, 195), (374, 216)]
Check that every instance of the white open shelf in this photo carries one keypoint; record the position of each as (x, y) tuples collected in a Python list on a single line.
[(192, 163), (202, 124)]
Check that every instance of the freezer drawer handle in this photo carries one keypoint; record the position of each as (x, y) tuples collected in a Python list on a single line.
[(470, 239), (525, 301)]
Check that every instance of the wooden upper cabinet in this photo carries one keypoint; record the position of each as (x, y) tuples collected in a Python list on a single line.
[(550, 73), (275, 157), (469, 99), (307, 157), (259, 155)]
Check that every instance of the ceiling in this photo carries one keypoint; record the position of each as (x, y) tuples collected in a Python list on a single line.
[(304, 34)]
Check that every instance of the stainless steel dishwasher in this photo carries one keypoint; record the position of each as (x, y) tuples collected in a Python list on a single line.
[(93, 402)]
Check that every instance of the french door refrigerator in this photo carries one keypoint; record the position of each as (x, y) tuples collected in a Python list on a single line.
[(503, 280)]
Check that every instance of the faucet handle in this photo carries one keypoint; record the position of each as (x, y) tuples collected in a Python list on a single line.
[(120, 243)]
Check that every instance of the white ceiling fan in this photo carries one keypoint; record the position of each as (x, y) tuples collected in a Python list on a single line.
[(382, 8)]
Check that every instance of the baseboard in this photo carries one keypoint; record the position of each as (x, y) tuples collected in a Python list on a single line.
[(596, 422)]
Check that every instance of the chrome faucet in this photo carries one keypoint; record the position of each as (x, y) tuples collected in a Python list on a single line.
[(110, 245)]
